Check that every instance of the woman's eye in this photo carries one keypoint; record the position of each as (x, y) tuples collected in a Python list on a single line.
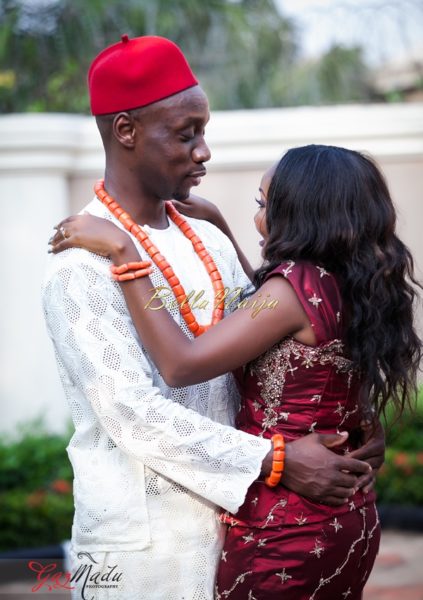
[(259, 202)]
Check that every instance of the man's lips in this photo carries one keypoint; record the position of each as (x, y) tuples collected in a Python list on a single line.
[(197, 175)]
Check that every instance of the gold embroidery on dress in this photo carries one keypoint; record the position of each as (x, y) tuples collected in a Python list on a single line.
[(272, 367)]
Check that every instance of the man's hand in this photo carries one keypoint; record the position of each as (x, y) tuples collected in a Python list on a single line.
[(314, 471), (372, 451)]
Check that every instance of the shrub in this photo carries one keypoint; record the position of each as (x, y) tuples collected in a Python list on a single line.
[(36, 503), (400, 480)]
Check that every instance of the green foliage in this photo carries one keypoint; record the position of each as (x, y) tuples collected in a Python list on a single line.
[(36, 503), (32, 520), (244, 52), (400, 480), (339, 76), (342, 75)]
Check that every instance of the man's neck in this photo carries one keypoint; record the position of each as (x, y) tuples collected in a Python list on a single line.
[(144, 210)]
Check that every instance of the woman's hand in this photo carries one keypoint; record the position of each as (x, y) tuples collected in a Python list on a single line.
[(91, 233), (199, 208)]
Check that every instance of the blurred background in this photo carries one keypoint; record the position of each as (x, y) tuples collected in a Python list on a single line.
[(278, 73)]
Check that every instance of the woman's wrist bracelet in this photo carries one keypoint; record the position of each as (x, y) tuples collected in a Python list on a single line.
[(131, 270)]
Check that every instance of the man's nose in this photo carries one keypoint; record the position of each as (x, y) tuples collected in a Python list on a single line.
[(201, 152)]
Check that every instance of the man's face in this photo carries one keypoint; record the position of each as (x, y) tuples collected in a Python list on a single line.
[(170, 146)]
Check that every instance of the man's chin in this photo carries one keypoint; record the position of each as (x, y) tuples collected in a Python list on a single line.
[(181, 196)]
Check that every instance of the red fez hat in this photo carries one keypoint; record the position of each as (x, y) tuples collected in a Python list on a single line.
[(136, 72)]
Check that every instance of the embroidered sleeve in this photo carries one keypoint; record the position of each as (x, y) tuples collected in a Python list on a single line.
[(97, 345)]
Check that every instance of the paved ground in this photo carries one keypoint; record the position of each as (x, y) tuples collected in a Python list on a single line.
[(398, 573)]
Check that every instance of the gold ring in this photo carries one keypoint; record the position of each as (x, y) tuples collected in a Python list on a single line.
[(63, 232)]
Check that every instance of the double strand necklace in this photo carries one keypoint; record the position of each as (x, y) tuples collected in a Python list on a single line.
[(169, 274)]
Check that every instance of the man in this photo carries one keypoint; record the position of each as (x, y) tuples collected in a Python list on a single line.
[(152, 463)]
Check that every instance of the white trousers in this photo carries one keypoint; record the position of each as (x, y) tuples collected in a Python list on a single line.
[(180, 564)]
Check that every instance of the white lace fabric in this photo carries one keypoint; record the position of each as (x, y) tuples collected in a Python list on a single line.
[(141, 450)]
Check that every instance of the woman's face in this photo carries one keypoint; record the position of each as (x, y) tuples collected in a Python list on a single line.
[(260, 216)]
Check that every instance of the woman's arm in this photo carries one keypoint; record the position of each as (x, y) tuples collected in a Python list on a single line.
[(200, 208), (226, 346), (242, 336)]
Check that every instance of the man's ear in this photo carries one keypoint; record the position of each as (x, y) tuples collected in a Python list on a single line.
[(124, 129)]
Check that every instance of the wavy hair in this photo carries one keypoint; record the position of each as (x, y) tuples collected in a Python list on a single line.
[(331, 206)]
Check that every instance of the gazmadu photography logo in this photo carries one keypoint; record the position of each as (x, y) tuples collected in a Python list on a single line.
[(88, 577)]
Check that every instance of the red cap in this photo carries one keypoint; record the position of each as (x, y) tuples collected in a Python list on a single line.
[(136, 72)]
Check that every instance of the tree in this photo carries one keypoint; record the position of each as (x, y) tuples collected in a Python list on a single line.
[(340, 75), (235, 47), (343, 76)]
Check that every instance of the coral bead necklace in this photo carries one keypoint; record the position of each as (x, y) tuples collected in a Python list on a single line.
[(163, 264)]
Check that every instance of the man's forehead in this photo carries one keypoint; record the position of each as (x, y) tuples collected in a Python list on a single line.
[(189, 98), (188, 105)]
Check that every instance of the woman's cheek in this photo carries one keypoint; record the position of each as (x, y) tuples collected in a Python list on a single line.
[(260, 222)]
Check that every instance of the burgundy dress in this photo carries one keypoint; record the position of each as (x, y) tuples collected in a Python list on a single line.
[(280, 545)]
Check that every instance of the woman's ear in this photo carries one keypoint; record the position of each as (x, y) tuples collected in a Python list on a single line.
[(124, 129)]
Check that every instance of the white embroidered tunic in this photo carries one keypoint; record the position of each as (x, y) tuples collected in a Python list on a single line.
[(151, 463)]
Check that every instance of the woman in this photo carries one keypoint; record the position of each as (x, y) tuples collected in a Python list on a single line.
[(336, 336)]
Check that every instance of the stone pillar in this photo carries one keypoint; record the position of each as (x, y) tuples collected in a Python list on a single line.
[(36, 155)]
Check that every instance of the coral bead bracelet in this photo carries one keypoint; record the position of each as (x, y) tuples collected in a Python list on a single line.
[(278, 462)]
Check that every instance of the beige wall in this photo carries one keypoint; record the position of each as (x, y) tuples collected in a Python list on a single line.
[(48, 164), (245, 143)]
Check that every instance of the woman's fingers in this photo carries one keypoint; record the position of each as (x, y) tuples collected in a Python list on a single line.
[(59, 236), (63, 238), (64, 222), (62, 234), (60, 246), (64, 231)]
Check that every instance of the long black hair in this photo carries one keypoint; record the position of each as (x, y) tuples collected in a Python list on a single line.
[(331, 206)]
